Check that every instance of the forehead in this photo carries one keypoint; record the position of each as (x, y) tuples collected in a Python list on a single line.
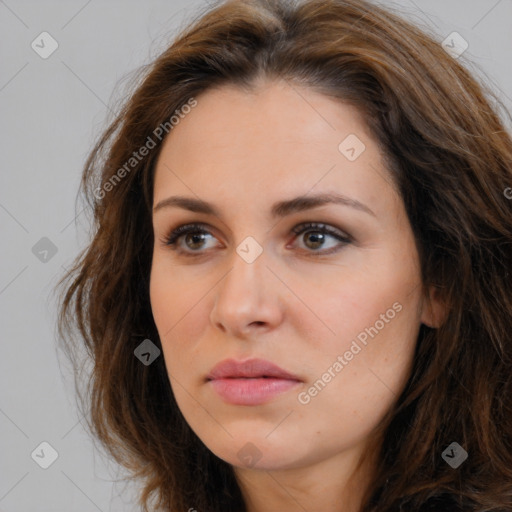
[(278, 140)]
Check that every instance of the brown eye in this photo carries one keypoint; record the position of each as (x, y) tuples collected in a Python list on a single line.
[(190, 238), (321, 238), (194, 240), (314, 240)]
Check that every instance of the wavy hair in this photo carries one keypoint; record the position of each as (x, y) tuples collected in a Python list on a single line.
[(450, 156)]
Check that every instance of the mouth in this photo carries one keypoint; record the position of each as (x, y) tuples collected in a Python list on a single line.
[(251, 382)]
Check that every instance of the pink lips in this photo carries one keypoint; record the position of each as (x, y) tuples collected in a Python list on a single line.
[(250, 382)]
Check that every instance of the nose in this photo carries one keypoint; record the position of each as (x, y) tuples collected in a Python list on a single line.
[(247, 299)]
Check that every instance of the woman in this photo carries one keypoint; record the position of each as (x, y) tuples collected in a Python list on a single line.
[(297, 296)]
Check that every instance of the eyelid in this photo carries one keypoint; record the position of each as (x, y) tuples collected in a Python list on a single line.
[(320, 226)]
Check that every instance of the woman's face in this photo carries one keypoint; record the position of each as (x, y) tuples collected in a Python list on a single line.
[(338, 310)]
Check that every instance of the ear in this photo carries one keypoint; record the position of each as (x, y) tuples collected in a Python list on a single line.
[(434, 309)]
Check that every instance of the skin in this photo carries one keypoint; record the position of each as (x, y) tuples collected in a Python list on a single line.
[(244, 151)]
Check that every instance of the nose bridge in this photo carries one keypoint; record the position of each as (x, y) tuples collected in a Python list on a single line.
[(245, 281), (244, 295)]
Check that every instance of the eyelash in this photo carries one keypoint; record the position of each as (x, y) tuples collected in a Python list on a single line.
[(173, 237)]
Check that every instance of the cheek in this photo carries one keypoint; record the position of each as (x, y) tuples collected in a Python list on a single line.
[(351, 300), (376, 324), (175, 293), (353, 383), (373, 321), (179, 311)]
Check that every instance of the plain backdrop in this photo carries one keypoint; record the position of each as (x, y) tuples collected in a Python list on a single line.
[(52, 109)]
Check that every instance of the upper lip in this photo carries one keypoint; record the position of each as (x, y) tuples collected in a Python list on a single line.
[(250, 368)]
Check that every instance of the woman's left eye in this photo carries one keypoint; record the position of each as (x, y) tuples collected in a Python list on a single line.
[(191, 238), (315, 234)]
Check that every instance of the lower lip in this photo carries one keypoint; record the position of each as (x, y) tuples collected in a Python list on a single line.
[(251, 391)]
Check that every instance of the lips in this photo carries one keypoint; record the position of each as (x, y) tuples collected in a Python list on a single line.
[(251, 382), (250, 369)]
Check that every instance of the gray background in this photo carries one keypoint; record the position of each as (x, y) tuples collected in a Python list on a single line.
[(51, 112)]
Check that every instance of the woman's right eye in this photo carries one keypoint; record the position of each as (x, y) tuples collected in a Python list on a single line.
[(188, 238)]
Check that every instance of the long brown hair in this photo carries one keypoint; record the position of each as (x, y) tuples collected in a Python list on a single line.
[(451, 159)]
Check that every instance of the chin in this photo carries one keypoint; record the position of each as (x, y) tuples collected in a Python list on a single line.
[(257, 453)]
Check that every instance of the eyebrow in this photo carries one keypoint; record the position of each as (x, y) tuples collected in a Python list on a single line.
[(279, 209)]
